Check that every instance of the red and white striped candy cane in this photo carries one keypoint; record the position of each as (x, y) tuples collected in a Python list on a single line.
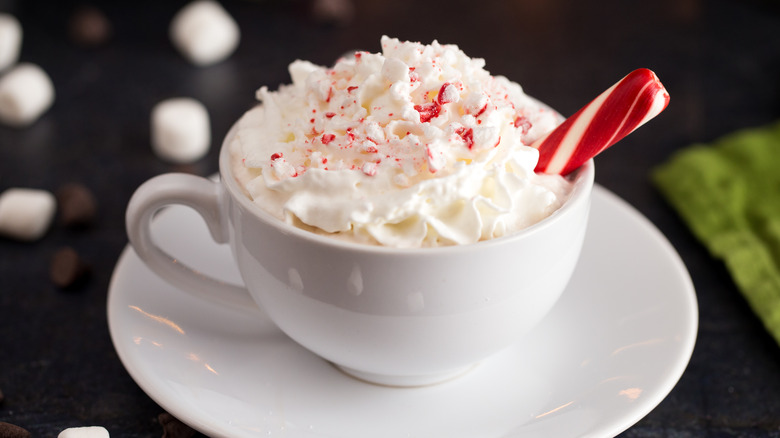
[(614, 114)]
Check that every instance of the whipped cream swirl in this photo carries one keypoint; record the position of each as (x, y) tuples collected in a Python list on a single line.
[(415, 146)]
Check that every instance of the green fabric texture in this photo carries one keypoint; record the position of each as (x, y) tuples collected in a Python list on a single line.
[(728, 193)]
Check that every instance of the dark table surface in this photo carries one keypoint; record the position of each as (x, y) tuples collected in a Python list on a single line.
[(720, 61)]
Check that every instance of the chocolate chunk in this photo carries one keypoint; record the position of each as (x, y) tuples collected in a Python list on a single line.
[(89, 27), (67, 269), (77, 205), (173, 428), (8, 430)]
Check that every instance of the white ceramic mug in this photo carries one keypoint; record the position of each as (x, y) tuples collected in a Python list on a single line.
[(386, 315)]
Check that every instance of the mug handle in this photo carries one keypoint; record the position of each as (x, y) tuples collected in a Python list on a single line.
[(207, 198)]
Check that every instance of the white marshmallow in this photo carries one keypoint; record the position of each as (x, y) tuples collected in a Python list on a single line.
[(10, 40), (25, 214), (84, 432), (26, 92), (181, 132), (204, 32)]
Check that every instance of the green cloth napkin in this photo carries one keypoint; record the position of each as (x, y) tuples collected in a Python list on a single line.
[(729, 195)]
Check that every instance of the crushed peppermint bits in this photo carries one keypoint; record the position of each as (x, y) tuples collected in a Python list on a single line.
[(405, 101), (374, 125)]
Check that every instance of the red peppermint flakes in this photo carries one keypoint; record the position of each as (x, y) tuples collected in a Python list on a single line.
[(467, 134), (482, 110), (447, 94), (327, 138), (276, 156), (428, 111), (330, 115), (413, 75), (369, 168), (524, 123)]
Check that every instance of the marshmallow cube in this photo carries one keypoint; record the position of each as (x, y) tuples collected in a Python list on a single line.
[(25, 214), (10, 40), (84, 432), (26, 92), (181, 132), (204, 32)]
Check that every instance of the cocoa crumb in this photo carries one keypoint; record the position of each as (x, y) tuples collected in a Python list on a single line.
[(89, 27), (77, 205), (67, 269), (8, 430)]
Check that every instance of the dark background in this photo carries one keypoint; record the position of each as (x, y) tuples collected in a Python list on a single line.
[(720, 61)]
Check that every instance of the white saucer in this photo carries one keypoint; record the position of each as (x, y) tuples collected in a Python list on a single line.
[(610, 351)]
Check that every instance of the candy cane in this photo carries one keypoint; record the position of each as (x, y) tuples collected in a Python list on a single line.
[(614, 114)]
